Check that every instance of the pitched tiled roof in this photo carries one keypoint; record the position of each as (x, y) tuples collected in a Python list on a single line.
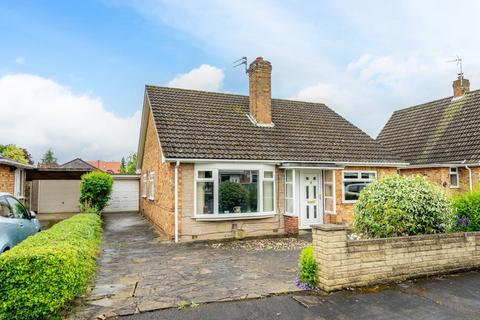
[(206, 125), (77, 164), (440, 131), (106, 166)]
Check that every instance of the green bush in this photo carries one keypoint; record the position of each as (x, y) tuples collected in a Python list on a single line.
[(308, 269), (95, 190), (466, 208), (232, 194), (40, 275), (401, 206)]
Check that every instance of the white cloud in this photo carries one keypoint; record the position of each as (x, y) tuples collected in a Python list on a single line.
[(205, 77), (20, 60), (39, 113)]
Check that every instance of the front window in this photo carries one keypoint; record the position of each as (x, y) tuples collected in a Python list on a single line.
[(289, 182), (454, 178), (234, 191), (144, 185), (354, 182)]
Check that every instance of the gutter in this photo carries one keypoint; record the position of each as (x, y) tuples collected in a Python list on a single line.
[(176, 200)]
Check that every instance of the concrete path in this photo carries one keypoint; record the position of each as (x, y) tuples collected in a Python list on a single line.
[(450, 297), (139, 271)]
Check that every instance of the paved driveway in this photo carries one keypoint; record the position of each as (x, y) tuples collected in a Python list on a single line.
[(139, 271)]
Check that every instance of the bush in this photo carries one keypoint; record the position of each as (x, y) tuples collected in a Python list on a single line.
[(308, 269), (401, 206), (40, 275), (95, 190), (232, 194), (466, 208)]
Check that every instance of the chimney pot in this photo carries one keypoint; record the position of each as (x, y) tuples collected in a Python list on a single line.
[(460, 86), (260, 83)]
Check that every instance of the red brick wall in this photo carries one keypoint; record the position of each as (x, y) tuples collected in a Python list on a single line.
[(291, 224), (7, 179)]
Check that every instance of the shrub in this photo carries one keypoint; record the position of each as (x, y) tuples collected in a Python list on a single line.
[(308, 269), (466, 208), (40, 275), (232, 194), (95, 189), (400, 206)]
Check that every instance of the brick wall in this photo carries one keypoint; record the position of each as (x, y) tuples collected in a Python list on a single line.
[(350, 263), (161, 210), (345, 210), (7, 179)]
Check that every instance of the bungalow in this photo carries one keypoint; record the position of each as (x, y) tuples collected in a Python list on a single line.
[(12, 177), (440, 139), (216, 165)]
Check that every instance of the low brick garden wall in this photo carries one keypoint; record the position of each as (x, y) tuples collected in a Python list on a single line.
[(352, 263)]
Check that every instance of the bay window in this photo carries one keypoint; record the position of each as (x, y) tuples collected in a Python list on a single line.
[(354, 182), (224, 190)]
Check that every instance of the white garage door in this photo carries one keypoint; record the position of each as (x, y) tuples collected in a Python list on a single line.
[(58, 196), (125, 194)]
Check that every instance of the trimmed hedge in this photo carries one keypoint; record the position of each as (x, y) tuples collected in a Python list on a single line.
[(466, 208), (95, 190), (40, 275)]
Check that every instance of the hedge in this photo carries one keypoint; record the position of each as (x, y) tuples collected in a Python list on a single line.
[(95, 190), (47, 270)]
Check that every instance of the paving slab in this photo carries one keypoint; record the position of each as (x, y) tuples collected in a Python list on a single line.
[(139, 270)]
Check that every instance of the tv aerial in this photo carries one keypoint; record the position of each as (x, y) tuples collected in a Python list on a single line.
[(239, 62), (459, 65)]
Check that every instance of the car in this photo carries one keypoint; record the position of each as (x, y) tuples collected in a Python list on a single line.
[(16, 222)]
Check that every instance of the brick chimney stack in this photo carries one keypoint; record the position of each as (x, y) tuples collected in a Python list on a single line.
[(260, 78), (460, 86)]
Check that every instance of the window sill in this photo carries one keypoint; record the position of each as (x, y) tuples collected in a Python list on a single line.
[(234, 216), (151, 199), (454, 187), (349, 201)]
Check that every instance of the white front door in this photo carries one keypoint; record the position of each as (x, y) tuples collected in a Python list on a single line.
[(310, 201)]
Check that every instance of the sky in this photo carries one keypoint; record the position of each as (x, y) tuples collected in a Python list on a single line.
[(72, 73)]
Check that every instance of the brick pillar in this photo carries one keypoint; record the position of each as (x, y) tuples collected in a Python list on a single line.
[(260, 74), (330, 247), (291, 225)]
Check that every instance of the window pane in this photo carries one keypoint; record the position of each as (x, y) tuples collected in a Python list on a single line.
[(289, 190), (329, 204), (352, 189), (289, 205), (205, 174), (350, 175), (17, 209), (453, 169), (454, 180), (288, 175), (5, 209), (268, 174), (329, 176), (368, 175), (267, 196), (237, 191), (328, 190), (204, 197)]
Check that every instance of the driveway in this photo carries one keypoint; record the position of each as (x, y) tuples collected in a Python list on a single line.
[(440, 298), (140, 271)]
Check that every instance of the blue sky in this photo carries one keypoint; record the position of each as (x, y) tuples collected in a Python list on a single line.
[(92, 59)]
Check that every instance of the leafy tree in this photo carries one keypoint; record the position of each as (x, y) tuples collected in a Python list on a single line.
[(49, 157), (13, 152), (131, 166)]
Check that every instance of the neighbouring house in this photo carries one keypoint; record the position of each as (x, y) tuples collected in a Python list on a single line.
[(439, 139), (112, 167), (12, 177), (217, 165)]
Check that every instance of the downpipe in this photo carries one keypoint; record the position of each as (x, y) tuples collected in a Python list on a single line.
[(176, 200)]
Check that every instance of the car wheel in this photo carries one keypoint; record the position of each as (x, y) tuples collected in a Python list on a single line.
[(6, 249)]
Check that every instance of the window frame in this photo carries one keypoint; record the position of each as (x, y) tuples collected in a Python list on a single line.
[(215, 168), (358, 179), (144, 185), (292, 198), (454, 173), (151, 194), (334, 192)]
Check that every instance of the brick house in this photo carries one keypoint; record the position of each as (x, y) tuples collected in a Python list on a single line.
[(217, 165), (12, 177), (439, 139)]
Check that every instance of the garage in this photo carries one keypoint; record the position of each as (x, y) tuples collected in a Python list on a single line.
[(125, 194)]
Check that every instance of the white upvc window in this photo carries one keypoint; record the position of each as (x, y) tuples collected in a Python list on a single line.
[(329, 191), (144, 185), (18, 187), (289, 191), (353, 182), (152, 186), (454, 182), (236, 190)]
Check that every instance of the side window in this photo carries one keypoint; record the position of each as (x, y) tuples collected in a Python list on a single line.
[(5, 209), (17, 208)]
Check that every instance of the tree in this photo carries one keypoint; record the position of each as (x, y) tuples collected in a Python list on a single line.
[(28, 156), (131, 166), (49, 157), (14, 153)]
